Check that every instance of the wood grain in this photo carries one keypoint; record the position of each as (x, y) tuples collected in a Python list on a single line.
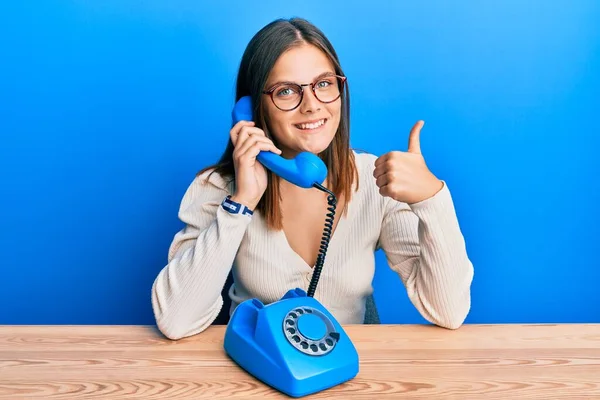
[(396, 361)]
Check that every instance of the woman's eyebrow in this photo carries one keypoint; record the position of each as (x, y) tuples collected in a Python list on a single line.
[(321, 75)]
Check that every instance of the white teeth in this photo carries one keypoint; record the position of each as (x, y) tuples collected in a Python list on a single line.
[(311, 126)]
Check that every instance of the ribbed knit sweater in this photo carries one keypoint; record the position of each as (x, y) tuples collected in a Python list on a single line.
[(422, 242)]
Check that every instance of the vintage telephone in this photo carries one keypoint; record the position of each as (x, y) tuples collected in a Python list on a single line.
[(294, 345)]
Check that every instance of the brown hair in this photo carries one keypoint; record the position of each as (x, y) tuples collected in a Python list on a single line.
[(258, 60)]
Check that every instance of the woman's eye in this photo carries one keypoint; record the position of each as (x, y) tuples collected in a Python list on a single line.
[(323, 84), (285, 92)]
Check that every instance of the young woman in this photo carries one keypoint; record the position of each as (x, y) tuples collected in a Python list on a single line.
[(242, 218)]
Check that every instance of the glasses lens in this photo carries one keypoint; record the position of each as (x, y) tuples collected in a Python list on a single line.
[(328, 88), (287, 96)]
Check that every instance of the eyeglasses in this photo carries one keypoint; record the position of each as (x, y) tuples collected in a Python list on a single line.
[(288, 95)]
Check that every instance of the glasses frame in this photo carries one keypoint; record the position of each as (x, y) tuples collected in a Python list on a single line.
[(301, 86)]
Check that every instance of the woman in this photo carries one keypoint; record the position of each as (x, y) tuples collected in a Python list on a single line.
[(272, 242)]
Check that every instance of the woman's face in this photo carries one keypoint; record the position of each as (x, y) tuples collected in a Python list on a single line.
[(312, 125)]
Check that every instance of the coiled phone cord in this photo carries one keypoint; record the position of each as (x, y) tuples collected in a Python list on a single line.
[(327, 233)]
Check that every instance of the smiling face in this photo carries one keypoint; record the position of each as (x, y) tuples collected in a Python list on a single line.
[(313, 124)]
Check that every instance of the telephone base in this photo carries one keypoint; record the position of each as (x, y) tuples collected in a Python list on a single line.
[(293, 345)]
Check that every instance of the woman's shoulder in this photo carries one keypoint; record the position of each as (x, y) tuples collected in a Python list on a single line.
[(365, 166), (207, 185), (366, 195), (365, 162), (211, 177)]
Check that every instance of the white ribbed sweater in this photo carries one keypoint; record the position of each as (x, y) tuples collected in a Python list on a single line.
[(422, 242)]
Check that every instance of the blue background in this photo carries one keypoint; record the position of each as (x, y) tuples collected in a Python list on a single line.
[(108, 109)]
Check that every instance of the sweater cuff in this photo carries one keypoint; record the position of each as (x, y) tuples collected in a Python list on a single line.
[(438, 205)]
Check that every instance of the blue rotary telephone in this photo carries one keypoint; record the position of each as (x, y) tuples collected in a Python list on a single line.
[(293, 345)]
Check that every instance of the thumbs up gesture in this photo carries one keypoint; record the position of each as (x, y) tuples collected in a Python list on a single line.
[(404, 176)]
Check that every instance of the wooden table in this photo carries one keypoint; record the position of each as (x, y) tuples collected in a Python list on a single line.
[(404, 362)]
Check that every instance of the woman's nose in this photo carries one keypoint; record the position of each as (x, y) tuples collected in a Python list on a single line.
[(310, 104)]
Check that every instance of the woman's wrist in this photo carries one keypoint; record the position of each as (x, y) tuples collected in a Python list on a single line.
[(251, 204)]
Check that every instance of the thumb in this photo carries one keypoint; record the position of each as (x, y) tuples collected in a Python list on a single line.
[(414, 142)]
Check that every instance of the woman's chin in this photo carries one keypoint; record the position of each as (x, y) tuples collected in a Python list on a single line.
[(316, 147)]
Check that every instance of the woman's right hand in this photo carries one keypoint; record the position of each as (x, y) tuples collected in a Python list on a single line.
[(250, 174)]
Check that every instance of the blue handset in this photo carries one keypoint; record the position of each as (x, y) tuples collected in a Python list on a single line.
[(304, 170), (294, 345)]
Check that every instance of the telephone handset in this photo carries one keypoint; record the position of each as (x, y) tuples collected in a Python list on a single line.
[(304, 170), (294, 345)]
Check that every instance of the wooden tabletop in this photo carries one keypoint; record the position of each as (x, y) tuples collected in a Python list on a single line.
[(396, 361)]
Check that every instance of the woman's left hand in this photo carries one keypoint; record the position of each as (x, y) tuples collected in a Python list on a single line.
[(404, 176)]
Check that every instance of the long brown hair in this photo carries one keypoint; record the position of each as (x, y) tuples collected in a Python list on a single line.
[(260, 56)]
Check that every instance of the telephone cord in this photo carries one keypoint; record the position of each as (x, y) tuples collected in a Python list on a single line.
[(327, 233)]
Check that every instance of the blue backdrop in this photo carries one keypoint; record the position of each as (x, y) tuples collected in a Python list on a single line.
[(108, 109)]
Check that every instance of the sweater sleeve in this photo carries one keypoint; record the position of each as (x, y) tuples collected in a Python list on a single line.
[(423, 243), (186, 294)]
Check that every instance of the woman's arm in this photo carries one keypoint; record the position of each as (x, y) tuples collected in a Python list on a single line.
[(186, 294), (424, 245)]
